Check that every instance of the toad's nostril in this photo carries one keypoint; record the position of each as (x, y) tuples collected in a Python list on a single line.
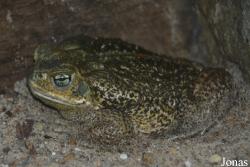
[(36, 76), (33, 76), (39, 75)]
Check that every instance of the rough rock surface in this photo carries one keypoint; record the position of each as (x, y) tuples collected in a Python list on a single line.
[(226, 32)]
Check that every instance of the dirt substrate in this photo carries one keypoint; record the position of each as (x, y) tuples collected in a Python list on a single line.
[(32, 134)]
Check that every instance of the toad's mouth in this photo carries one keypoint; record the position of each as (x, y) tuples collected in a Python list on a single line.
[(50, 98)]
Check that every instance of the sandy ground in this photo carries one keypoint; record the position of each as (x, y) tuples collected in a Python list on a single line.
[(32, 134)]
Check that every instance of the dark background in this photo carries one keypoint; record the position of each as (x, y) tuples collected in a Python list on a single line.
[(212, 32)]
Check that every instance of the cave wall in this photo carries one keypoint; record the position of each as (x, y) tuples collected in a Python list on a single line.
[(207, 31), (161, 26), (227, 34)]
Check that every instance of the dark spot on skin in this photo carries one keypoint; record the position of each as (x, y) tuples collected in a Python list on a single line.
[(156, 101), (131, 95), (102, 84)]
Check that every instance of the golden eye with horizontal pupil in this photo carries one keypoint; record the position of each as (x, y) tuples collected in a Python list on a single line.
[(62, 80)]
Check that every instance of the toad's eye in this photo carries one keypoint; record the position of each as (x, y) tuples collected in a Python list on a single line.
[(62, 80)]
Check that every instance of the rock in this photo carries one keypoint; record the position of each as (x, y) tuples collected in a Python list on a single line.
[(72, 140), (148, 159), (215, 158), (38, 127), (123, 156), (53, 165), (69, 157), (188, 163)]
